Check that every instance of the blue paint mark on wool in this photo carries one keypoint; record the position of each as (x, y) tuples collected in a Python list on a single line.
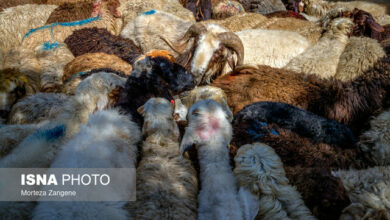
[(149, 12), (73, 23), (51, 134), (48, 46), (81, 73), (274, 132)]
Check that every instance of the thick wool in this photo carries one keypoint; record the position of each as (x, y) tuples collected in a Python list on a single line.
[(278, 47), (323, 193), (37, 108), (166, 181), (285, 14), (375, 142), (369, 192), (240, 22), (210, 131), (351, 103), (260, 171), (145, 31), (70, 84), (386, 45), (153, 77), (89, 61), (227, 8), (68, 12), (15, 85), (307, 124), (263, 6), (360, 54), (108, 140), (187, 99), (131, 9), (93, 40), (13, 3), (322, 59)]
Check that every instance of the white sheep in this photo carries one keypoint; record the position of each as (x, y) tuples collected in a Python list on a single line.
[(36, 108), (264, 188), (108, 140), (166, 182), (210, 131), (323, 57), (369, 192)]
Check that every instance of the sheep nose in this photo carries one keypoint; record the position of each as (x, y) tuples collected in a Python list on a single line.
[(3, 113)]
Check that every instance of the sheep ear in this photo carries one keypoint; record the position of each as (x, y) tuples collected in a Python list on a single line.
[(188, 141), (375, 26), (140, 110), (102, 103)]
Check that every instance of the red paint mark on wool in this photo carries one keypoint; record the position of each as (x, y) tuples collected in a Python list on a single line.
[(206, 131)]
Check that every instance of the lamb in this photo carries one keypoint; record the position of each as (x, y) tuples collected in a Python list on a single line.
[(360, 54), (165, 179), (108, 140), (321, 59), (91, 61), (259, 172), (37, 108), (93, 40), (153, 77), (375, 142), (187, 99), (15, 22), (350, 103), (15, 85), (39, 149), (210, 131), (70, 84), (307, 124), (369, 192)]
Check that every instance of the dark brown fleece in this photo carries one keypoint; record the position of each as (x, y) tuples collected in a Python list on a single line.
[(69, 12), (4, 4), (285, 14), (92, 40), (351, 103), (200, 8)]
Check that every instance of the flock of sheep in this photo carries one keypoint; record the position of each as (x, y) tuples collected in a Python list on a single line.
[(248, 109)]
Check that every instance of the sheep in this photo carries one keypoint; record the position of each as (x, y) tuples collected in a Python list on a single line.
[(319, 129), (145, 30), (153, 77), (374, 142), (108, 140), (68, 12), (210, 131), (131, 9), (39, 149), (91, 61), (187, 99), (15, 22), (215, 47), (260, 171), (93, 40), (321, 7), (360, 54), (240, 22), (369, 192), (227, 8), (165, 179), (70, 84), (350, 103), (36, 108), (13, 3), (285, 14), (56, 33), (323, 193), (321, 59), (15, 85), (263, 6)]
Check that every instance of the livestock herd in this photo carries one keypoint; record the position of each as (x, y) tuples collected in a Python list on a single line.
[(247, 109)]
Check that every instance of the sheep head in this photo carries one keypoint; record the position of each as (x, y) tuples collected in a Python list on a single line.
[(213, 48), (13, 86), (208, 124), (158, 117), (365, 24)]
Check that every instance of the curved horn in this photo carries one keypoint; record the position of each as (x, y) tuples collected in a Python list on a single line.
[(232, 41), (195, 30)]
